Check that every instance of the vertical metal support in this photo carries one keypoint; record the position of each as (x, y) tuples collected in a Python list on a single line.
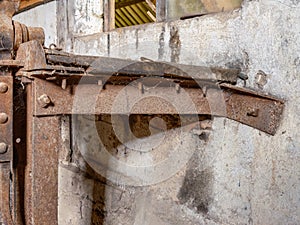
[(6, 146), (41, 182), (5, 194)]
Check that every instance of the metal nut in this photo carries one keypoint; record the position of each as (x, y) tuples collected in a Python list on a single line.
[(3, 118), (3, 87), (44, 101), (3, 148)]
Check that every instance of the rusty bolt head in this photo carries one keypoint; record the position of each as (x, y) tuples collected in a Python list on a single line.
[(44, 100), (3, 118), (3, 148), (3, 87)]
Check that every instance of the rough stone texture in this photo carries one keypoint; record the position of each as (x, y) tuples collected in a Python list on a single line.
[(42, 16), (239, 175)]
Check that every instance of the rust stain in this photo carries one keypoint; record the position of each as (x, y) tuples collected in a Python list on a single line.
[(174, 44)]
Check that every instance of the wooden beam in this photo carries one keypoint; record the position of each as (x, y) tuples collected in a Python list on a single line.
[(160, 10), (151, 5), (28, 4), (127, 3), (109, 15)]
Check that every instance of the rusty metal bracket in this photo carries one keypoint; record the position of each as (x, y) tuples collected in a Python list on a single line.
[(68, 84), (6, 117), (245, 106)]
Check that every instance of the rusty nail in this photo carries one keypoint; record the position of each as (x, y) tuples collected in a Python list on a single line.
[(64, 84), (3, 118), (253, 113), (44, 101), (177, 88), (3, 148), (3, 87)]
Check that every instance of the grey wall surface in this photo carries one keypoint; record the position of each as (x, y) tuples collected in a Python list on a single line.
[(238, 175)]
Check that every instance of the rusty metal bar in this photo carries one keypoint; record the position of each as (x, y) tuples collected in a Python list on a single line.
[(6, 145), (5, 209), (6, 118), (34, 59), (45, 147), (41, 172), (245, 106)]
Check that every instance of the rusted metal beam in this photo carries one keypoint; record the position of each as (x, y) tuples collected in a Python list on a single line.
[(165, 79), (45, 148), (248, 107), (6, 117), (6, 145), (35, 58), (41, 171), (5, 211)]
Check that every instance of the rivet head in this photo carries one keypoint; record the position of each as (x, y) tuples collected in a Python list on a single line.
[(3, 87), (3, 118), (3, 148), (44, 101)]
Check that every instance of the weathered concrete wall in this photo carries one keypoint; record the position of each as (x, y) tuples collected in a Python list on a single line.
[(42, 16), (237, 175), (242, 176)]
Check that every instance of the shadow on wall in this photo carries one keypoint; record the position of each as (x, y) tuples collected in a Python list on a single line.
[(114, 202)]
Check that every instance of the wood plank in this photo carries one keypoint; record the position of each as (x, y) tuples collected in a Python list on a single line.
[(28, 4), (127, 3), (151, 5), (109, 15), (160, 10)]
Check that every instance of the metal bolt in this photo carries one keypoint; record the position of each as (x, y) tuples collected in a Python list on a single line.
[(3, 118), (44, 101), (3, 87), (3, 148), (253, 113)]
